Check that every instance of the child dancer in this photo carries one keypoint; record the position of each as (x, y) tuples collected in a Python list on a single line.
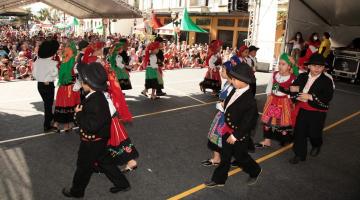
[(240, 118), (94, 120), (214, 135), (152, 78), (278, 107), (66, 98)]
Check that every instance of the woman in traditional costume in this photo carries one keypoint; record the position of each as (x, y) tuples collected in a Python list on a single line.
[(153, 78), (120, 64), (66, 98), (212, 78)]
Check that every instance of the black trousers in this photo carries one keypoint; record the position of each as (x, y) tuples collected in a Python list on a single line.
[(47, 92), (89, 154), (309, 124), (240, 151)]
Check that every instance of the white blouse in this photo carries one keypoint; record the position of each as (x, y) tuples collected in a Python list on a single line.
[(279, 79)]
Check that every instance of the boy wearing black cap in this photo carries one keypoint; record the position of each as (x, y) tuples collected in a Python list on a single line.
[(241, 115), (93, 118), (312, 93)]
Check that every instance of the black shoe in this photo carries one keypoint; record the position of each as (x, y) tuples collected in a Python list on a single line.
[(261, 146), (296, 160), (160, 94), (67, 193), (253, 180), (119, 189), (50, 129), (208, 163), (315, 151), (211, 184)]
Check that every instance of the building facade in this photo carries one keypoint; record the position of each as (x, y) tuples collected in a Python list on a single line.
[(211, 15)]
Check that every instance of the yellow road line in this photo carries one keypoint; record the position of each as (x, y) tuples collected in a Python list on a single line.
[(262, 159)]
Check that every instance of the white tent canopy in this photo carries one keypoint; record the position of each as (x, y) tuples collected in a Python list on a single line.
[(341, 18), (83, 8), (168, 29)]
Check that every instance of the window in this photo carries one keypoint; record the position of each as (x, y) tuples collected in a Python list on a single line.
[(226, 37), (242, 35), (243, 22), (203, 21), (202, 38), (226, 22)]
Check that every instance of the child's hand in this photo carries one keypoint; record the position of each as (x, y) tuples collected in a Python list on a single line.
[(294, 88), (78, 108), (231, 139)]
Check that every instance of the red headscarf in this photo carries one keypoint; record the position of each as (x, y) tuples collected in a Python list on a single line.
[(213, 48), (151, 47), (88, 58), (242, 48)]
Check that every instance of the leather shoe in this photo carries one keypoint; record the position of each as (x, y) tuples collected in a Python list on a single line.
[(253, 180), (67, 193), (296, 160), (211, 184), (315, 151), (50, 129), (160, 94), (119, 189)]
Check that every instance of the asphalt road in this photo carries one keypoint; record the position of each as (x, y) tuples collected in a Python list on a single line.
[(170, 135)]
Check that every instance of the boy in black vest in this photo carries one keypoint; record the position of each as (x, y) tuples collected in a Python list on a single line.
[(94, 119), (312, 93), (241, 116)]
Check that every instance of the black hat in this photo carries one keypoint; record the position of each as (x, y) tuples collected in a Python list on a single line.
[(243, 72), (48, 48), (82, 44), (94, 75), (253, 48), (316, 59)]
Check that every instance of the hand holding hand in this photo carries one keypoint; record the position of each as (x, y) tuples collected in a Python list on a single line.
[(78, 108), (231, 139)]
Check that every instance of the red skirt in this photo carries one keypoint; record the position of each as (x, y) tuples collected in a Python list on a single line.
[(213, 74), (66, 100), (119, 145), (277, 112), (66, 97)]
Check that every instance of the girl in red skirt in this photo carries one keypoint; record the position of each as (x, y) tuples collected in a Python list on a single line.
[(66, 98), (119, 145), (278, 107), (212, 78)]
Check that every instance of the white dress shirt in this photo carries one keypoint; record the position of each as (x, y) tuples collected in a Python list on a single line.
[(236, 95), (310, 82), (45, 70)]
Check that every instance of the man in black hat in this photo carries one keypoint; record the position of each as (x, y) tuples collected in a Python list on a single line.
[(94, 120), (312, 92), (45, 72), (241, 116)]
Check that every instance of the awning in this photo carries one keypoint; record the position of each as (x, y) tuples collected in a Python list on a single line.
[(14, 12), (83, 8), (188, 25)]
